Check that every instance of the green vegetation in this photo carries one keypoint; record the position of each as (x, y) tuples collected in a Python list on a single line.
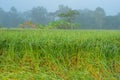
[(69, 15), (40, 17), (61, 24), (59, 55)]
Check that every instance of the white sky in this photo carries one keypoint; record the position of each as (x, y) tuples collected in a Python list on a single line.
[(110, 6)]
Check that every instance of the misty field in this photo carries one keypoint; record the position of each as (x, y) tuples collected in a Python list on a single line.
[(59, 54)]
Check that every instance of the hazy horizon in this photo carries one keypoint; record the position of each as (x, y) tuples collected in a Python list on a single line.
[(111, 7)]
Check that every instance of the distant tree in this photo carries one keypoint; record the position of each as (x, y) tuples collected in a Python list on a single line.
[(99, 15), (86, 19), (27, 15), (2, 17), (39, 15), (112, 22), (12, 18), (62, 9), (63, 18), (61, 24), (69, 15)]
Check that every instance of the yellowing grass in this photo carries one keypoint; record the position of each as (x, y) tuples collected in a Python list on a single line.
[(59, 54)]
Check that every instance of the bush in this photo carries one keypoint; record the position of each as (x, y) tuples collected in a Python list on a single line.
[(61, 24), (40, 26)]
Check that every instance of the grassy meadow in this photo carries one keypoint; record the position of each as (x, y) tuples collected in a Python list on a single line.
[(59, 54)]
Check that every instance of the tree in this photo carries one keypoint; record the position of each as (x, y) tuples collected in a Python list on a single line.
[(99, 15), (12, 18), (61, 24), (2, 17), (86, 19), (67, 14), (39, 15), (62, 10)]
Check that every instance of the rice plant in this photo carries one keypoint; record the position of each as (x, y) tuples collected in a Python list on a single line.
[(59, 54)]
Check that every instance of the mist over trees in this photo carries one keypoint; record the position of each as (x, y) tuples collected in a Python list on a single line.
[(87, 19)]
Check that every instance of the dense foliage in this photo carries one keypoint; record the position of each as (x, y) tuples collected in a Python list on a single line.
[(62, 24), (88, 19), (59, 54)]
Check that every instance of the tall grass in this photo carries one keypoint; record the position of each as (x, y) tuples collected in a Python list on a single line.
[(59, 54)]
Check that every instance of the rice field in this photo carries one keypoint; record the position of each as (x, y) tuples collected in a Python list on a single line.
[(59, 54)]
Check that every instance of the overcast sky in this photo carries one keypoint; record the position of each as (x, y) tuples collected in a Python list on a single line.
[(112, 7)]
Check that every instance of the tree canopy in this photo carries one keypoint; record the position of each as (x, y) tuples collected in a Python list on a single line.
[(88, 19)]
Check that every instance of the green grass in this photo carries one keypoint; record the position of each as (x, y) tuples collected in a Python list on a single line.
[(59, 54)]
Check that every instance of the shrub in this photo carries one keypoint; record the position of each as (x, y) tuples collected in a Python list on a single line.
[(61, 24)]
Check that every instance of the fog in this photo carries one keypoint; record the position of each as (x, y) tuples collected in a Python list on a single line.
[(60, 14), (111, 7)]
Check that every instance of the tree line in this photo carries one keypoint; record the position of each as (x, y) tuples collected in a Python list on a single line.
[(63, 18)]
